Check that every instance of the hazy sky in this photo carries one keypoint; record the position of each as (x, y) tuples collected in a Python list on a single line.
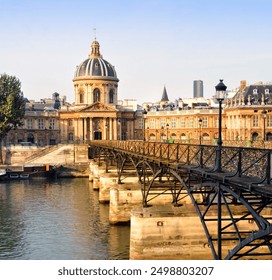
[(151, 43)]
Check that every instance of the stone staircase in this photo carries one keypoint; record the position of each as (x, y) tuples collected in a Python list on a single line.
[(59, 155)]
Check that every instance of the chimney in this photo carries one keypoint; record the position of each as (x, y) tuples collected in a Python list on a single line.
[(242, 85)]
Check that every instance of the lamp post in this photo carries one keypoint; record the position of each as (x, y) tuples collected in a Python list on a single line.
[(144, 117), (200, 126), (264, 112), (167, 127), (119, 130), (162, 133), (220, 96)]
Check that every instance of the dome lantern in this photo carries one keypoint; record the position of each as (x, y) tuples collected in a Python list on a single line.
[(95, 52)]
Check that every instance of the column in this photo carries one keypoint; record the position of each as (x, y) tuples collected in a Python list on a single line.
[(85, 131), (104, 129), (91, 128), (80, 129), (110, 128), (114, 129)]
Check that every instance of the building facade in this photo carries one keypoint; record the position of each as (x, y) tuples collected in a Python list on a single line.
[(40, 124), (248, 115)]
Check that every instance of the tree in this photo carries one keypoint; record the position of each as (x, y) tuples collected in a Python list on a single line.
[(12, 106)]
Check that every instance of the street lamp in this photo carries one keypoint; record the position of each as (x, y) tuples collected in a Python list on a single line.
[(167, 126), (264, 112), (200, 126), (220, 96), (144, 117)]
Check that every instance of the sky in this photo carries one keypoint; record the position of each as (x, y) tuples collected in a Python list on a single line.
[(151, 43)]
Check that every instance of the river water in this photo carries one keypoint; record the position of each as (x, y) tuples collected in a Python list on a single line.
[(57, 220)]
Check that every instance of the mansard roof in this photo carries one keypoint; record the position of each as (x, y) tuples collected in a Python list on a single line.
[(258, 94)]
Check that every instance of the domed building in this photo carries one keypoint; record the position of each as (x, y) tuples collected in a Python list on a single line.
[(95, 80), (96, 113)]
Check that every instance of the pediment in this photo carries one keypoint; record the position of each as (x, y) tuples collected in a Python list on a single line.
[(99, 107)]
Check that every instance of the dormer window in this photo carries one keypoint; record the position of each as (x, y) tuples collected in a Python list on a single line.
[(255, 92), (266, 92)]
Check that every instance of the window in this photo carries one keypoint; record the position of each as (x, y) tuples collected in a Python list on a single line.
[(52, 124), (269, 121), (163, 123), (205, 122), (81, 98), (81, 95), (216, 121), (29, 123), (191, 122), (152, 123), (183, 136), (182, 122), (141, 123), (111, 99), (255, 121), (173, 123), (70, 136), (41, 123), (96, 95)]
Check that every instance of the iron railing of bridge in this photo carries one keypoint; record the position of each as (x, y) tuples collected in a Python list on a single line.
[(244, 162)]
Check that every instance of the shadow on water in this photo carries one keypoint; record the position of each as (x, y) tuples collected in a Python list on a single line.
[(60, 219)]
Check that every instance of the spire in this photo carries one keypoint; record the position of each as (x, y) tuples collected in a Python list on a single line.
[(164, 95)]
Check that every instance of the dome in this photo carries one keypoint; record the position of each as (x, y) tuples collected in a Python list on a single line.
[(95, 66)]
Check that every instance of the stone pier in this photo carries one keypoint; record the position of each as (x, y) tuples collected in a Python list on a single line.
[(167, 233), (107, 182)]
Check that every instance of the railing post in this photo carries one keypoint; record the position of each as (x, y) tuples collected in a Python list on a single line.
[(268, 168), (177, 154), (219, 223), (239, 168), (201, 156), (188, 153), (160, 150)]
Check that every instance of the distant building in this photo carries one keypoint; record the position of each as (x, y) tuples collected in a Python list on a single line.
[(40, 125), (248, 114), (198, 88)]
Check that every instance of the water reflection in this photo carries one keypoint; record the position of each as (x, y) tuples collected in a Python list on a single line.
[(57, 220)]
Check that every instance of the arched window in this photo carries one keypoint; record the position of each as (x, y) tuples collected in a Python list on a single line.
[(81, 98), (173, 136), (111, 97), (206, 136), (152, 137), (269, 136), (183, 136), (96, 95), (255, 136), (81, 95)]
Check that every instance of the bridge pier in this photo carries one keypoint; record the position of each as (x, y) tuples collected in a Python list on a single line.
[(107, 181), (167, 233), (123, 198), (96, 172)]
